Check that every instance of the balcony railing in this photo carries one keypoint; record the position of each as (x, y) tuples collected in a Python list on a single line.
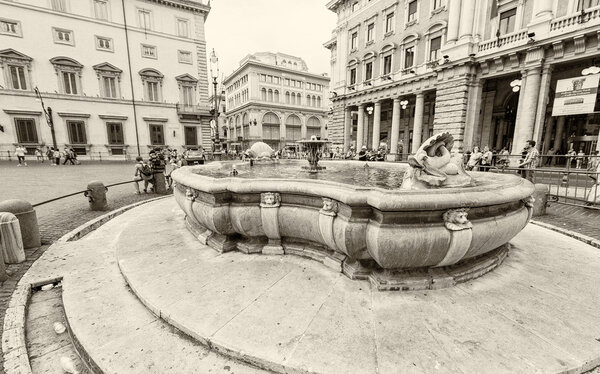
[(574, 19), (507, 39), (190, 109)]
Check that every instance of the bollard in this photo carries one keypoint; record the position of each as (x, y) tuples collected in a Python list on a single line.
[(96, 195), (11, 243), (541, 199), (160, 184), (30, 232)]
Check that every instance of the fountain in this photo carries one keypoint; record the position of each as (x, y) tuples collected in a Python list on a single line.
[(314, 147), (443, 225)]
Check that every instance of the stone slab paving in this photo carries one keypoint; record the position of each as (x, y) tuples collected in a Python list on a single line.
[(573, 218), (535, 313)]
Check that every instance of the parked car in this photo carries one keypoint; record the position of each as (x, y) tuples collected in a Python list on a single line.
[(195, 156)]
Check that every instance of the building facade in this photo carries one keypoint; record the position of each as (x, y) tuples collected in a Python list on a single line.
[(486, 71), (121, 77), (273, 98)]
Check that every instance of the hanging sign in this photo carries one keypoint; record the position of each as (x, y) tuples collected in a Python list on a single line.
[(576, 95)]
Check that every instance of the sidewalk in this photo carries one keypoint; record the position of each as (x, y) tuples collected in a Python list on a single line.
[(577, 219)]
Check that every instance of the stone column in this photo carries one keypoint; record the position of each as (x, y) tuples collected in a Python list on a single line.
[(500, 132), (560, 128), (395, 128), (376, 125), (542, 9), (547, 135), (361, 127), (303, 128), (527, 110), (540, 117), (405, 151), (366, 130), (418, 122), (467, 13), (347, 129), (473, 113), (454, 7)]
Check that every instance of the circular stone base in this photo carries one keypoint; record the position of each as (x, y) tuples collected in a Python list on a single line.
[(437, 278)]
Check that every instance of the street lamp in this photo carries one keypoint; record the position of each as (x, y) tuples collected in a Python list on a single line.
[(48, 114), (214, 63)]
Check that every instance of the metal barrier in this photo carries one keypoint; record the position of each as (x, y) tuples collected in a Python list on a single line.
[(77, 193), (572, 180), (90, 156)]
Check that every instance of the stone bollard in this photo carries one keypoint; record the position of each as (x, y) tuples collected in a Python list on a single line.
[(541, 199), (160, 183), (11, 243), (30, 232), (96, 195)]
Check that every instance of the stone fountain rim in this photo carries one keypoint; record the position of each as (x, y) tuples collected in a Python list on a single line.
[(509, 188)]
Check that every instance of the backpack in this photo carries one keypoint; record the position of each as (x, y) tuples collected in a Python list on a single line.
[(146, 170)]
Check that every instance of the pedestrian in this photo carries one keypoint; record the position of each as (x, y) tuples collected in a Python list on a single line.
[(486, 159), (503, 157), (594, 173), (56, 155), (38, 155), (475, 159), (169, 168), (20, 153), (350, 154), (580, 157), (68, 157), (143, 172), (550, 158), (572, 155), (50, 154), (73, 156), (363, 154), (531, 161)]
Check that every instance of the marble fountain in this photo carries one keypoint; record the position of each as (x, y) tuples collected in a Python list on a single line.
[(425, 225)]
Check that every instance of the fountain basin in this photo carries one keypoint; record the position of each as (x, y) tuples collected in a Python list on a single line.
[(385, 235)]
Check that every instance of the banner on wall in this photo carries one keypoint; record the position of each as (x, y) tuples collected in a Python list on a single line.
[(576, 95)]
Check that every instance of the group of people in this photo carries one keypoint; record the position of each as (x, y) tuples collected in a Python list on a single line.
[(54, 155), (365, 154), (161, 162)]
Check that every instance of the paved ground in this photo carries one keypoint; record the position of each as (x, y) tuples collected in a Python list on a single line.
[(576, 219), (41, 182)]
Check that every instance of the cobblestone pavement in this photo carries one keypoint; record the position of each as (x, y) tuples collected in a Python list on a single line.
[(578, 219), (42, 182)]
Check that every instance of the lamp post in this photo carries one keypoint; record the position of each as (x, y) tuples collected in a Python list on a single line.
[(214, 63), (48, 114)]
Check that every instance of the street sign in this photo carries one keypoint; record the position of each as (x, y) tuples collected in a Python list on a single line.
[(576, 95)]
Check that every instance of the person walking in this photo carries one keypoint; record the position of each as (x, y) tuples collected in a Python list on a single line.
[(580, 157), (68, 156), (475, 159), (38, 155), (50, 154), (143, 172), (20, 153), (486, 159), (56, 155), (594, 173), (531, 161)]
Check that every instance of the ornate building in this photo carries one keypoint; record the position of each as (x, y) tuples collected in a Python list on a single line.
[(486, 71), (273, 98), (120, 78)]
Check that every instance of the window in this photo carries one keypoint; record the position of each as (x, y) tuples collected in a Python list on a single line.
[(191, 135), (76, 131), (313, 127), (319, 101), (437, 4), (434, 48), (182, 27), (110, 87), (389, 23), (409, 57), (104, 44), (354, 6), (149, 51), (115, 133), (412, 11), (368, 71), (184, 57), (270, 126), (187, 93), (287, 97), (17, 77), (101, 9), (145, 19), (293, 128), (507, 21), (263, 94), (370, 32), (387, 64), (354, 40), (26, 130), (353, 76), (9, 27), (152, 91), (59, 5), (69, 82), (63, 36), (584, 4), (157, 136), (276, 98)]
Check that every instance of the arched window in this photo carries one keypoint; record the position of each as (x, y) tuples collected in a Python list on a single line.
[(287, 97), (293, 98), (276, 96), (270, 126), (313, 127), (245, 133), (238, 127), (293, 128), (318, 101), (263, 94), (270, 95), (314, 101)]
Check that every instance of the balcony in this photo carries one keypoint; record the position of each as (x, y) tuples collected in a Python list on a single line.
[(505, 40), (190, 109), (574, 21)]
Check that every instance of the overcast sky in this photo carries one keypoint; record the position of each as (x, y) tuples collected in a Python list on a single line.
[(236, 28)]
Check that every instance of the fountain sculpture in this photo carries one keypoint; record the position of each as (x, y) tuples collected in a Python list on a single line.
[(442, 227), (314, 148)]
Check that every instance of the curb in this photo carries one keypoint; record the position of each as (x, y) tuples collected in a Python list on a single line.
[(14, 346), (575, 235)]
